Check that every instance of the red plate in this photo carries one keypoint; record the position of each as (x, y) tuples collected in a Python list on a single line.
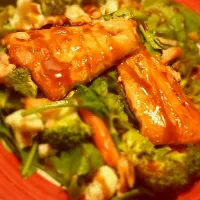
[(14, 187), (193, 4)]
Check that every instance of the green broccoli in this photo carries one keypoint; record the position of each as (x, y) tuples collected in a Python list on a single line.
[(20, 80), (161, 168), (112, 103), (56, 7), (117, 117), (66, 130), (126, 12), (99, 100)]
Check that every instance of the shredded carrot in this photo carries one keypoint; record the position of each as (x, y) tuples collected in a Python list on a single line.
[(101, 137)]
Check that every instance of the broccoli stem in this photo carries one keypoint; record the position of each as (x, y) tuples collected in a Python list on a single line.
[(30, 159), (134, 193), (114, 133), (72, 102)]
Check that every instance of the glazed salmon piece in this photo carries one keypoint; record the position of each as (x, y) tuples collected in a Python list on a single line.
[(165, 113), (61, 57)]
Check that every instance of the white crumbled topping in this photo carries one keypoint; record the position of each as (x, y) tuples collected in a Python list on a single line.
[(168, 41), (5, 66), (24, 128), (44, 150), (171, 54), (76, 15), (95, 189), (28, 16)]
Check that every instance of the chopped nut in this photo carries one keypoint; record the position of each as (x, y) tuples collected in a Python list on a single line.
[(168, 41), (92, 11), (76, 15), (22, 36), (110, 7), (171, 54)]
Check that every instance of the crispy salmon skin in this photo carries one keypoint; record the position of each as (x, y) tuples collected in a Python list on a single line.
[(61, 57)]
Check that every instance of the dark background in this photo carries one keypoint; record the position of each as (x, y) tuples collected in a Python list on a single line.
[(6, 2)]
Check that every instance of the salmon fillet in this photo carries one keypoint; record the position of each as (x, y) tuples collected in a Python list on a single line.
[(61, 57), (165, 113)]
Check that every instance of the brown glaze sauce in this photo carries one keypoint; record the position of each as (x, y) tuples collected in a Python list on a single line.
[(155, 91), (61, 57), (57, 71)]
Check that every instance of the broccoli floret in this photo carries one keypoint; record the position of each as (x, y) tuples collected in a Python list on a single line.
[(134, 144), (20, 80), (56, 7), (66, 131), (164, 173), (193, 161), (113, 103), (161, 168), (117, 117)]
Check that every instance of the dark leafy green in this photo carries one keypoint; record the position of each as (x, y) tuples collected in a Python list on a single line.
[(193, 91), (56, 7), (127, 13), (6, 135), (137, 192), (90, 98), (74, 165)]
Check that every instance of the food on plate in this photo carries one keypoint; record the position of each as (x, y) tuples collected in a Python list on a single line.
[(102, 97)]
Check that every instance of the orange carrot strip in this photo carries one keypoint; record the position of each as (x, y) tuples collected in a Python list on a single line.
[(34, 102), (101, 137)]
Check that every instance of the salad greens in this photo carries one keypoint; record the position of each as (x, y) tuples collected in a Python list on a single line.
[(126, 12), (7, 137), (161, 168), (73, 159), (57, 7), (76, 166)]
